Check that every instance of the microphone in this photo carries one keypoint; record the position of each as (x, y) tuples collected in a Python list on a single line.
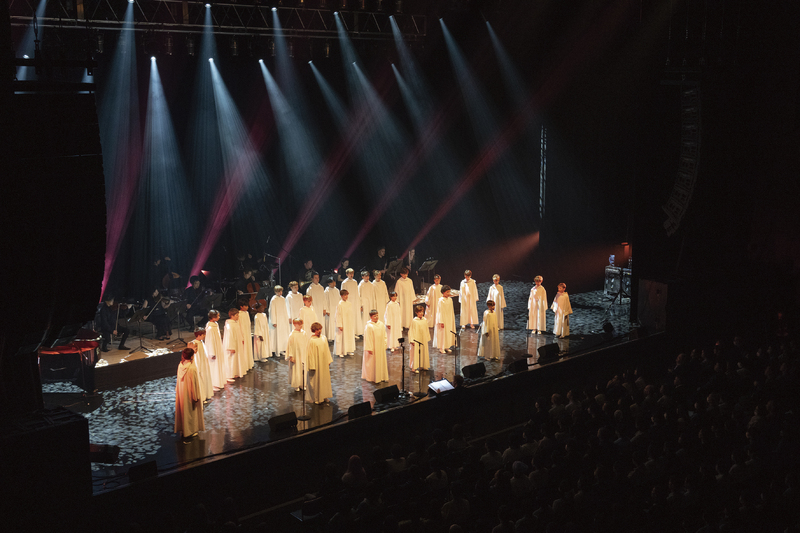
[(401, 340)]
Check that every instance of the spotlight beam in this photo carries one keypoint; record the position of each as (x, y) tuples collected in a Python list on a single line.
[(593, 41)]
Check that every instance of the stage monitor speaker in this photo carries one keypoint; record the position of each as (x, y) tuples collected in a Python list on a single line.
[(478, 370), (283, 422), (548, 353), (104, 453), (143, 471), (520, 365), (387, 394), (358, 410)]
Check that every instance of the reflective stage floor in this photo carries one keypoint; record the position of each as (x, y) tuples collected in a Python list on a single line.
[(139, 419)]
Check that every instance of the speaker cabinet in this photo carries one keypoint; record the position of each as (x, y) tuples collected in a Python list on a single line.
[(478, 370), (358, 410), (548, 353), (520, 365), (387, 394), (283, 422)]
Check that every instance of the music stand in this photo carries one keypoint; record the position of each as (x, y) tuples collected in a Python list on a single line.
[(304, 417), (427, 267), (403, 392), (393, 267), (137, 317)]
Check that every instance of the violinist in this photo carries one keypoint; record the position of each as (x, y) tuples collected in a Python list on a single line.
[(157, 315), (107, 321), (196, 305)]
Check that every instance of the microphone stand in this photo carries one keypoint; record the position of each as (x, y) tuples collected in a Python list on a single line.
[(304, 417), (456, 350), (419, 393), (403, 392)]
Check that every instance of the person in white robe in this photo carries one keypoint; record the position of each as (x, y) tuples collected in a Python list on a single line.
[(419, 336), (351, 286), (317, 293), (366, 295), (432, 300), (217, 359), (188, 398), (537, 307), (262, 348), (444, 336), (468, 298), (296, 355), (405, 297), (381, 292), (279, 321), (374, 364), (294, 302), (233, 345), (246, 328), (498, 297), (489, 343), (201, 362), (345, 341), (562, 308), (393, 321), (319, 359), (332, 299), (307, 314)]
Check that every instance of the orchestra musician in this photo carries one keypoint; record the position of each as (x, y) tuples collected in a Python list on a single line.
[(198, 302), (107, 322), (157, 314)]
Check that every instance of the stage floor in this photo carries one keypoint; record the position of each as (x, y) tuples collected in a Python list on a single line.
[(139, 419)]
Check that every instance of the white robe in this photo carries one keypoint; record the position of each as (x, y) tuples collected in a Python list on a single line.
[(317, 293), (217, 358), (294, 303), (279, 322), (308, 315), (381, 296), (443, 337), (497, 295), (188, 401), (432, 300), (537, 309), (296, 348), (351, 286), (319, 372), (405, 297), (394, 329), (562, 308), (419, 336), (489, 343), (233, 345), (345, 340), (366, 293), (374, 364), (203, 369), (262, 350), (332, 300), (245, 326), (468, 298)]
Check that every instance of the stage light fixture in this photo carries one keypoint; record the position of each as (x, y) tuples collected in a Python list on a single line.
[(398, 6), (327, 49), (152, 58), (25, 56), (208, 5), (210, 59), (363, 5), (130, 1), (99, 43), (379, 5), (234, 47), (291, 49), (301, 3), (272, 47), (170, 45), (190, 45), (344, 5), (274, 8), (260, 60), (335, 13), (323, 4)]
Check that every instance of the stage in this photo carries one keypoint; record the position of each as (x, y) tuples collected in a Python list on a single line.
[(139, 418)]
